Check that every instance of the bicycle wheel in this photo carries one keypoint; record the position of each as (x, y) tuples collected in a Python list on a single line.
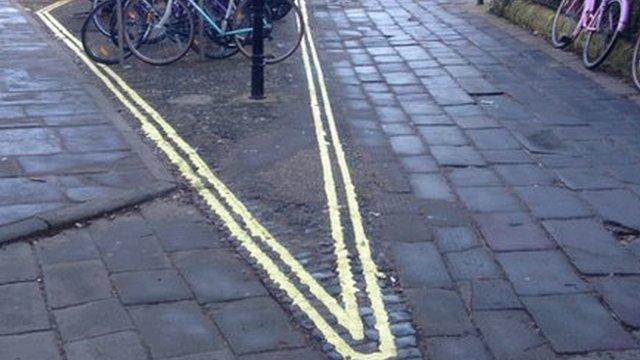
[(213, 44), (598, 44), (100, 47), (104, 28), (154, 40), (636, 64), (565, 21), (279, 8), (281, 39)]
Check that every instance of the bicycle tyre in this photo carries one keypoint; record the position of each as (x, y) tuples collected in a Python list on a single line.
[(244, 43), (136, 44), (559, 40), (635, 64), (593, 63), (110, 36)]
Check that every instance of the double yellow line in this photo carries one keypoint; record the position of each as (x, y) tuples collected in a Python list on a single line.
[(225, 204)]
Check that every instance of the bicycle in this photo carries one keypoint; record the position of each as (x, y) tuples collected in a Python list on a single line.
[(160, 32), (603, 20), (99, 34), (635, 64)]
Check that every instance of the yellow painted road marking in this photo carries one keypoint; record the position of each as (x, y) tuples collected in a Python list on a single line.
[(200, 176)]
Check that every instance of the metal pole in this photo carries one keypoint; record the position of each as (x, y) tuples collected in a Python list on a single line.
[(257, 66), (120, 32), (201, 39)]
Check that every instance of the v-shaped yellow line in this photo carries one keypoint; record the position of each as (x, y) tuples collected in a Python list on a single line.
[(200, 176)]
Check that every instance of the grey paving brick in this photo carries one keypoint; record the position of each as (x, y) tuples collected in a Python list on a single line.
[(577, 323), (464, 110), (476, 122), (620, 206), (591, 248), (456, 238), (127, 244), (512, 231), (488, 199), (457, 156), (493, 139), (420, 265), (622, 294), (626, 173), (92, 138), (73, 163), (176, 329), (493, 294), (153, 286), (431, 119), (118, 346), (22, 309), (68, 246), (397, 129), (529, 278), (407, 145), (419, 164), (525, 174), (442, 135), (187, 229), (510, 334), (420, 108), (450, 96), (225, 354), (552, 202), (459, 348), (40, 346), (391, 114), (587, 179), (439, 312), (22, 191), (404, 228), (474, 263), (472, 176), (478, 86), (293, 354), (28, 142), (92, 319), (16, 263), (76, 283), (215, 275), (430, 186), (506, 156), (255, 325)]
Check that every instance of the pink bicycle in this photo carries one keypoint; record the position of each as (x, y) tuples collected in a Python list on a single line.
[(635, 64), (603, 20)]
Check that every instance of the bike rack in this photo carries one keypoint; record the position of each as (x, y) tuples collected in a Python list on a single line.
[(120, 26), (257, 58), (201, 38)]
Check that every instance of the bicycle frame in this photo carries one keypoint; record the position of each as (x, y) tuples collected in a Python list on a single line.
[(591, 17), (220, 30)]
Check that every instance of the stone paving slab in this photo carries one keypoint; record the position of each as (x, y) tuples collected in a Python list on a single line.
[(79, 306), (61, 142), (523, 166)]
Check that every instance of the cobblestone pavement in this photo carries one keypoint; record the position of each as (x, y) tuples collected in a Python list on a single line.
[(60, 143), (154, 282), (526, 172), (506, 199)]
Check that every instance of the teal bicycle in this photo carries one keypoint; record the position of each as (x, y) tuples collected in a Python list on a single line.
[(160, 32)]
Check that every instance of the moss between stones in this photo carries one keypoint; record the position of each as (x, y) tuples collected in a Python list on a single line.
[(539, 19)]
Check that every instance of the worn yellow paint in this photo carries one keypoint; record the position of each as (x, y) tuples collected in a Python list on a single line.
[(202, 179)]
